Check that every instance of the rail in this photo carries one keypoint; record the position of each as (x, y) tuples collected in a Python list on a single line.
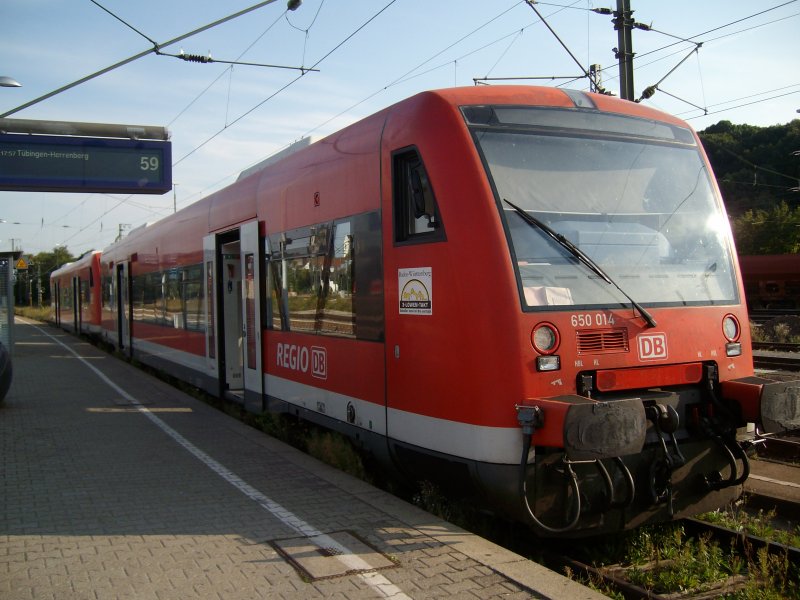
[(763, 315), (777, 346), (777, 362), (745, 545)]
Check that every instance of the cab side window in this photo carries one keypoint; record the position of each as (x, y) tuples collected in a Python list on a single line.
[(416, 213)]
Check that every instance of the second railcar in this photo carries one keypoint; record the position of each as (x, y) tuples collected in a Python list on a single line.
[(528, 294), (75, 295)]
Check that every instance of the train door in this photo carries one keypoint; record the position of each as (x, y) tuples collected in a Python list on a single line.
[(250, 260), (123, 307), (232, 322), (232, 267), (210, 278), (76, 304), (55, 295)]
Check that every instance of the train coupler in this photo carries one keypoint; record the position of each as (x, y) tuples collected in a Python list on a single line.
[(666, 422), (732, 451), (589, 432)]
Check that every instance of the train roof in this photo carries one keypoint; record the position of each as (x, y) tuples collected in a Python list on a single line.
[(79, 263), (237, 202), (545, 96)]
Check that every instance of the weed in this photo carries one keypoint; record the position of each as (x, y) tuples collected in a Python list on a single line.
[(336, 450), (33, 312), (430, 498), (781, 330), (758, 524)]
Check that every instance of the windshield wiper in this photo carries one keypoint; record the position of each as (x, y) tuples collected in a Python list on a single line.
[(581, 256)]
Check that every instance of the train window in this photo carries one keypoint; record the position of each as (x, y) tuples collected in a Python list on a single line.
[(328, 279), (304, 280), (171, 298), (277, 296), (416, 213), (209, 288), (336, 316), (173, 309), (108, 293), (192, 306), (644, 210), (86, 293)]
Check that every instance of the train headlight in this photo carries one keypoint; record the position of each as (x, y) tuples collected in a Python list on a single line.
[(548, 363), (730, 328), (545, 338)]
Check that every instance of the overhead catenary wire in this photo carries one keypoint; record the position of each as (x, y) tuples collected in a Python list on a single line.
[(405, 76), (243, 115), (586, 71), (691, 39), (124, 22), (286, 86), (712, 30), (137, 56), (207, 59), (227, 70), (516, 33), (306, 30), (392, 83)]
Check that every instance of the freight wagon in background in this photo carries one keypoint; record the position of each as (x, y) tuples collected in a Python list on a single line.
[(527, 295), (771, 281)]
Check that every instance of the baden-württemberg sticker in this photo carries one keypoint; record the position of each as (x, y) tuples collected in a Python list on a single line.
[(416, 291)]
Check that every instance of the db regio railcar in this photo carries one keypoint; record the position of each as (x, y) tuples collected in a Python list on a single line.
[(529, 296), (72, 289)]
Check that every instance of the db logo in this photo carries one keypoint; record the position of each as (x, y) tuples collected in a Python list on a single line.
[(319, 362), (652, 346)]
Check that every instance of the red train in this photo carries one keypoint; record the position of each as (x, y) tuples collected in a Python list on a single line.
[(529, 295), (74, 288), (771, 281)]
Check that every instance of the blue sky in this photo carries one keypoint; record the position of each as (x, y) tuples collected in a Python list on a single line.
[(370, 54)]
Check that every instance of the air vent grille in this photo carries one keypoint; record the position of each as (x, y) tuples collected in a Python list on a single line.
[(602, 341)]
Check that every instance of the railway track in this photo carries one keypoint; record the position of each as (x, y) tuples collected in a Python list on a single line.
[(787, 360), (764, 315), (749, 548), (777, 362), (776, 346), (782, 448)]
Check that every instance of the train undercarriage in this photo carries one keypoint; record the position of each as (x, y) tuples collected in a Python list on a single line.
[(654, 455)]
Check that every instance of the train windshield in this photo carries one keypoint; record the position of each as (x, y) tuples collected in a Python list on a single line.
[(633, 195)]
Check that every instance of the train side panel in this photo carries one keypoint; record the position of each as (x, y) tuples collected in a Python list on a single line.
[(449, 338), (323, 343)]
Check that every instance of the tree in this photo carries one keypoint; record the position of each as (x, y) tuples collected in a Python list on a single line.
[(754, 166), (759, 176), (768, 231), (39, 270)]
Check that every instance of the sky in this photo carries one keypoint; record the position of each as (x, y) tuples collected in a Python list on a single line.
[(711, 59)]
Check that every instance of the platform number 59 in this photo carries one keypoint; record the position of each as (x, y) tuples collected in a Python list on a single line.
[(149, 163)]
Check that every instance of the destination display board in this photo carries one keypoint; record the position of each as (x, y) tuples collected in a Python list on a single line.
[(53, 163)]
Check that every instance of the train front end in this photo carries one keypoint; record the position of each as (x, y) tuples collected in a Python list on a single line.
[(637, 362)]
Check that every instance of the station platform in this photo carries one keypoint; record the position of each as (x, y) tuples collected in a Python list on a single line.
[(117, 485)]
